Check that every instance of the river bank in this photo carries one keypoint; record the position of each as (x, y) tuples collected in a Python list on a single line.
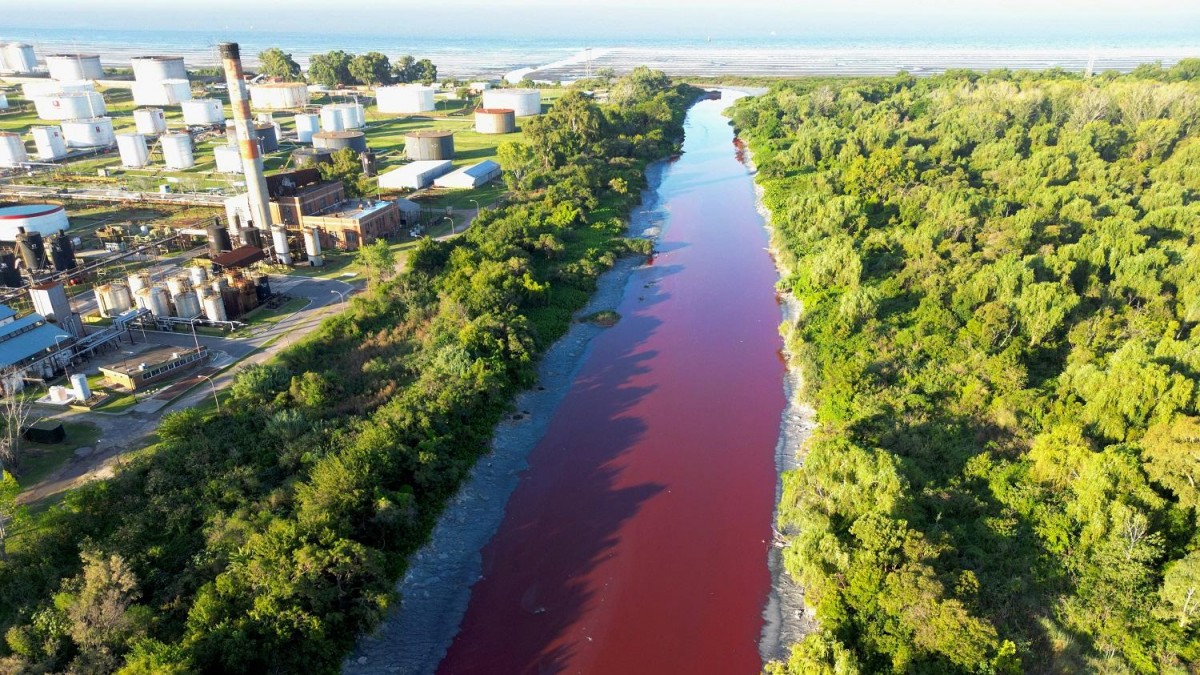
[(437, 587)]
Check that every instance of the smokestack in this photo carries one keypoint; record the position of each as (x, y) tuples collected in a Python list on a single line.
[(252, 165)]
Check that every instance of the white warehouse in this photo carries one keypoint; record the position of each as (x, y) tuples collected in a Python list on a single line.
[(469, 176), (414, 175)]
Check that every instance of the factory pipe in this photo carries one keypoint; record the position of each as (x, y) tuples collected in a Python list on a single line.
[(252, 164)]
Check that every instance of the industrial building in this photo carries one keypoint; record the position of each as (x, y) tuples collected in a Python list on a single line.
[(357, 222), (469, 177), (27, 346), (153, 365), (414, 175)]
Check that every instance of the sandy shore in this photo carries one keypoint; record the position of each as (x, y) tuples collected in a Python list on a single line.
[(786, 617), (435, 591)]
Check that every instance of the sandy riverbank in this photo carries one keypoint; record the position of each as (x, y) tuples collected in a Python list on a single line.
[(786, 617), (437, 587)]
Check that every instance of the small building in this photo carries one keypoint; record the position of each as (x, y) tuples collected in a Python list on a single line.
[(242, 256), (414, 175), (356, 222), (469, 176), (291, 196), (153, 365)]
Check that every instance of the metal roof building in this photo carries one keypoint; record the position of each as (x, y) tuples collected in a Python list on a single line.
[(414, 175), (470, 176), (28, 339)]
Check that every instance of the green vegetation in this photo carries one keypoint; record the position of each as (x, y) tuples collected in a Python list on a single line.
[(276, 63), (265, 538), (39, 460), (338, 68), (999, 276)]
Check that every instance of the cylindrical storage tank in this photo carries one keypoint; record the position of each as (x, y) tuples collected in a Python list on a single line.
[(166, 92), (157, 303), (495, 121), (138, 281), (337, 140), (303, 158), (70, 67), (425, 145), (405, 100), (279, 241), (62, 252), (198, 276), (179, 284), (50, 143), (177, 151), (3, 101), (132, 148), (69, 105), (202, 112), (41, 219), (19, 58), (158, 68), (523, 102), (32, 249), (113, 299), (12, 149), (89, 133), (331, 119), (350, 114), (79, 383), (187, 305), (307, 124), (150, 121), (214, 307), (252, 236), (218, 243), (102, 292), (312, 246), (279, 95), (267, 140), (360, 115), (229, 160)]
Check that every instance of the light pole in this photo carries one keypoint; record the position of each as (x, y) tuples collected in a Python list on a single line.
[(451, 224), (194, 336), (212, 384), (341, 295)]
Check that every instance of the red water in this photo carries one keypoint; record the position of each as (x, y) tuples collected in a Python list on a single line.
[(636, 542)]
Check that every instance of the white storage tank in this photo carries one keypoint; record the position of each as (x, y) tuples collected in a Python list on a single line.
[(138, 281), (198, 276), (50, 143), (312, 246), (3, 101), (279, 95), (80, 386), (177, 151), (70, 105), (133, 150), (166, 92), (153, 299), (523, 102), (150, 121), (187, 305), (158, 68), (229, 160), (19, 58), (405, 100), (179, 284), (70, 67), (12, 149), (44, 219), (113, 299), (96, 132), (32, 90), (331, 118), (214, 307), (203, 112)]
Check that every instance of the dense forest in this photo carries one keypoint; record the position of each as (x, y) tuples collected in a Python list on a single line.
[(1000, 280), (265, 538)]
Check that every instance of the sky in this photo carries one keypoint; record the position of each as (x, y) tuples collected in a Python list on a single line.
[(631, 18)]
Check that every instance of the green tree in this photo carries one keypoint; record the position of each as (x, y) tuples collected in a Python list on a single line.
[(278, 64), (11, 514), (378, 260), (330, 69), (347, 168), (403, 70), (371, 68)]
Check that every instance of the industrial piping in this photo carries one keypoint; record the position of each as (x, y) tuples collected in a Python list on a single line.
[(252, 164)]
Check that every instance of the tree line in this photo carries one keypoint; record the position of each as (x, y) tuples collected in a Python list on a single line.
[(999, 280), (266, 537), (337, 67)]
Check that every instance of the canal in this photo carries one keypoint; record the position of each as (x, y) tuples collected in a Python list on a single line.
[(637, 539)]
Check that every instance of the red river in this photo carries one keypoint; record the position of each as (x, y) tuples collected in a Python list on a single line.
[(636, 541)]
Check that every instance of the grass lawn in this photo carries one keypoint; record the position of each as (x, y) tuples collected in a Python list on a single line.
[(265, 316), (39, 460)]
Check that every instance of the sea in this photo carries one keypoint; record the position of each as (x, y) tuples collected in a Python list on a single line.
[(551, 58)]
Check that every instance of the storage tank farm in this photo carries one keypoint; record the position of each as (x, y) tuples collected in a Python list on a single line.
[(256, 181), (307, 124)]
